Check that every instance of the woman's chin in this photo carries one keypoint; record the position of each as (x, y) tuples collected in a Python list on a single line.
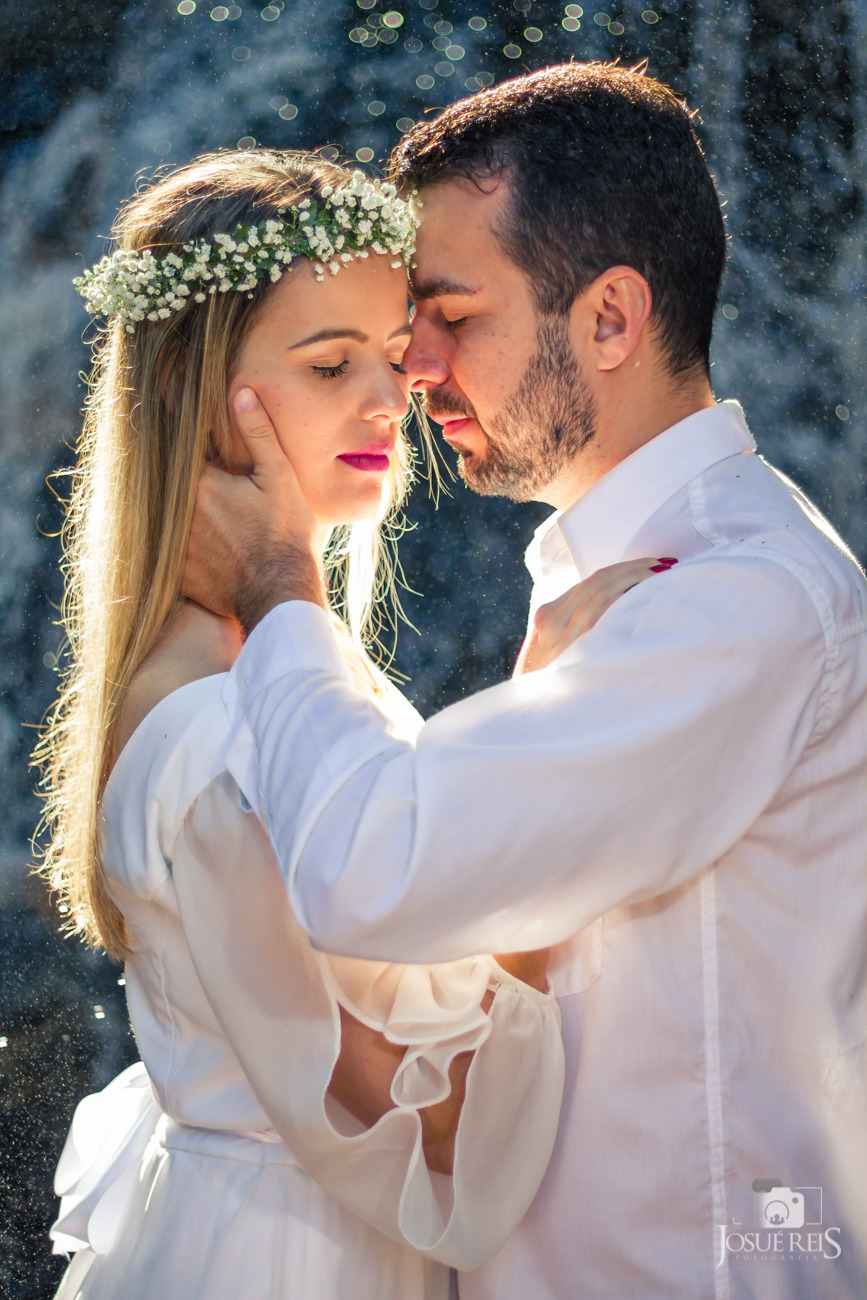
[(363, 506)]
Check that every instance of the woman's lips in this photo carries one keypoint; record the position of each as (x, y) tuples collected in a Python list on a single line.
[(372, 459)]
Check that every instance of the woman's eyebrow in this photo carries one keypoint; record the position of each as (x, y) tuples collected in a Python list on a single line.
[(322, 336), (325, 336)]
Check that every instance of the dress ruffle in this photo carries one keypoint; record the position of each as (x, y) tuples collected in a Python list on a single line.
[(98, 1169)]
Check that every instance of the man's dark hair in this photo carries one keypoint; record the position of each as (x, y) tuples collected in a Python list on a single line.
[(605, 169)]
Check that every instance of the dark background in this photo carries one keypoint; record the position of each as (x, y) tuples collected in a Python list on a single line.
[(93, 95)]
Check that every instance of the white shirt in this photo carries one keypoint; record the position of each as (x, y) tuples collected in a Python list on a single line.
[(680, 804)]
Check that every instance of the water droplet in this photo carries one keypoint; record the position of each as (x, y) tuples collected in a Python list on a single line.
[(269, 13), (288, 112), (241, 53), (424, 82), (533, 34), (364, 155), (570, 24), (444, 69), (358, 34), (441, 42), (512, 51), (365, 4), (393, 18), (650, 16), (574, 11), (247, 142), (841, 412), (329, 153), (413, 45), (278, 102), (235, 11), (601, 20), (49, 659), (187, 7), (455, 53), (404, 124), (485, 78), (162, 147), (376, 107), (478, 24), (443, 28), (220, 13), (730, 311), (616, 29)]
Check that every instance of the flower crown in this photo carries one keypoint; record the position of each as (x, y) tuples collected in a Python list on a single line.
[(351, 221)]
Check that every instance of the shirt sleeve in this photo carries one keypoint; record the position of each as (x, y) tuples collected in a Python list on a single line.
[(528, 810), (276, 999)]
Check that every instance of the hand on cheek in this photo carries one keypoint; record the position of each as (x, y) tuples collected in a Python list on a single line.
[(253, 537)]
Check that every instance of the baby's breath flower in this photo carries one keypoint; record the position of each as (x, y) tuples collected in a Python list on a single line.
[(133, 285)]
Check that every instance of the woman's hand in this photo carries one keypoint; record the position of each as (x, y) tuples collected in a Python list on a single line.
[(560, 622)]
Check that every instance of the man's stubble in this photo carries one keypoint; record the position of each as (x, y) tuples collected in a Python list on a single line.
[(545, 423)]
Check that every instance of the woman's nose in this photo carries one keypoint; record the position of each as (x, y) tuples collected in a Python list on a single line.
[(387, 396)]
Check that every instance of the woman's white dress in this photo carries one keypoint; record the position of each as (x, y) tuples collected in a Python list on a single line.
[(219, 1168)]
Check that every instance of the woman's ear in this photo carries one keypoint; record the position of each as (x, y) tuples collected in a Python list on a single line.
[(610, 317)]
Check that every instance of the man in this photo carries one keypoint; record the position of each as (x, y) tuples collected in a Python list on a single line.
[(679, 802)]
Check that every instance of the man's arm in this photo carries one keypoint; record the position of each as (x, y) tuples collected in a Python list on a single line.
[(528, 810)]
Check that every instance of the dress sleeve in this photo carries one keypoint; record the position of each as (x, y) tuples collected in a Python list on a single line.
[(277, 1001)]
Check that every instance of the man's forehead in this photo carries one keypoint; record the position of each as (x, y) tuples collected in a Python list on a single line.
[(456, 238)]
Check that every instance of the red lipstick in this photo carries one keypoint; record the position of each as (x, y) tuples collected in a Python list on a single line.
[(372, 459)]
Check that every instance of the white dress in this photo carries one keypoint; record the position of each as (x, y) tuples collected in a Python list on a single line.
[(219, 1168)]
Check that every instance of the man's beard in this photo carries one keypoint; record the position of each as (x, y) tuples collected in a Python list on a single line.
[(539, 429)]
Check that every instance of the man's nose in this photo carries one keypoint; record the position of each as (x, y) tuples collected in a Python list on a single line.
[(424, 361)]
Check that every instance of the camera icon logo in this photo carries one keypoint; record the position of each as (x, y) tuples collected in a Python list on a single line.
[(775, 1205)]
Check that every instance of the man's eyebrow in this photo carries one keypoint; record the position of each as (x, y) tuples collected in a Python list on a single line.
[(439, 288)]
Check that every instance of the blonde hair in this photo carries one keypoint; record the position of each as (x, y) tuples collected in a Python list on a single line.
[(157, 411)]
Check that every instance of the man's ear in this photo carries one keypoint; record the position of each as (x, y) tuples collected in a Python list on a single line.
[(610, 317)]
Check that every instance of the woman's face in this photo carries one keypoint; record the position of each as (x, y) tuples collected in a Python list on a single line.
[(324, 357)]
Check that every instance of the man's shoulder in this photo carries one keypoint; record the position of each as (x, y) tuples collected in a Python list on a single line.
[(748, 508)]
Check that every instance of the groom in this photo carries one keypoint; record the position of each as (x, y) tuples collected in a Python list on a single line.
[(679, 803)]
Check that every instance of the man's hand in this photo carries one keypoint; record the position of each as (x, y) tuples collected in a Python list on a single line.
[(251, 544)]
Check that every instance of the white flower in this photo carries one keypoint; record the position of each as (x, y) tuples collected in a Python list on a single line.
[(134, 285)]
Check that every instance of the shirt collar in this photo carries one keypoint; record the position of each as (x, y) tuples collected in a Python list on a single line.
[(597, 528)]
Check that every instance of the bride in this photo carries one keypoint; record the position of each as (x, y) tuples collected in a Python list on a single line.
[(301, 1125)]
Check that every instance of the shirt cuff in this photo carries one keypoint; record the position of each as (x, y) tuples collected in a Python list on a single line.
[(294, 637)]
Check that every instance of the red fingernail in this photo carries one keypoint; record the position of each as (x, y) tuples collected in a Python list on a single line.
[(660, 568), (667, 559)]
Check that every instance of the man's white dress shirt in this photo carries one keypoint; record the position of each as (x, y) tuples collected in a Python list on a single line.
[(679, 805)]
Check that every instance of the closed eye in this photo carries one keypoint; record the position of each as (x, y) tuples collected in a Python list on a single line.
[(331, 372), (395, 365), (456, 324)]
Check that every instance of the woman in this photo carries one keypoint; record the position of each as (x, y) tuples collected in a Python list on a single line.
[(302, 1126)]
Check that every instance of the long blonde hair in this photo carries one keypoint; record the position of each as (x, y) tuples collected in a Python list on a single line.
[(157, 410)]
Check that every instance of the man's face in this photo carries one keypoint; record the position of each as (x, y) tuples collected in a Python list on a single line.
[(504, 382)]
